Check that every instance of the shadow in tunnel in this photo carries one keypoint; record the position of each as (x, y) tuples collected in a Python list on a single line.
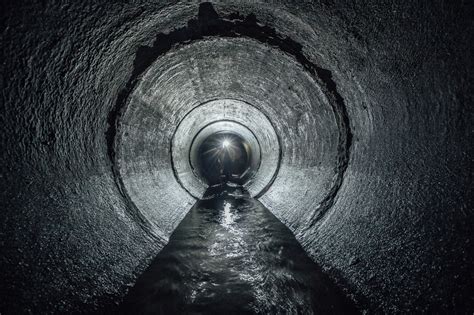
[(232, 255)]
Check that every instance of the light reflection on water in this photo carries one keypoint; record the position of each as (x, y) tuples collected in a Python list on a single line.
[(227, 218), (231, 255)]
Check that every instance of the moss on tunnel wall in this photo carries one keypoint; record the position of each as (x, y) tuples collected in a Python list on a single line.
[(395, 232)]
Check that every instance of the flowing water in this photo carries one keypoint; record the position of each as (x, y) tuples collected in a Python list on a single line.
[(231, 255)]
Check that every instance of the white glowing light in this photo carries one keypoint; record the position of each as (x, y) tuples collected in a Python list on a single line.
[(225, 144)]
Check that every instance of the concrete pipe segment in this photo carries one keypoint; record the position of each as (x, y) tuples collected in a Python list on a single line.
[(358, 114)]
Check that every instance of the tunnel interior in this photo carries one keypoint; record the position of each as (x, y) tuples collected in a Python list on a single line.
[(349, 122)]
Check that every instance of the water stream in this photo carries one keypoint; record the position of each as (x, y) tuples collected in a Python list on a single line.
[(231, 255)]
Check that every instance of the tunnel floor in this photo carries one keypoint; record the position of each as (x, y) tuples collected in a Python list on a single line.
[(232, 255)]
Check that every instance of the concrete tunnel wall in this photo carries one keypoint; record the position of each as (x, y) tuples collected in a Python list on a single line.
[(370, 103)]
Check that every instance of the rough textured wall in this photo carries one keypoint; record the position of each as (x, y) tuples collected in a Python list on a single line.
[(370, 101)]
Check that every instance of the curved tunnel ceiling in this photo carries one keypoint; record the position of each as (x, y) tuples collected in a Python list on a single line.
[(360, 118)]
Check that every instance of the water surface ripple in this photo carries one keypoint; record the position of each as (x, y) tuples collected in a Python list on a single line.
[(232, 255)]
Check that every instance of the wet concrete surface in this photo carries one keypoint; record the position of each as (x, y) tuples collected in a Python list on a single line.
[(232, 255)]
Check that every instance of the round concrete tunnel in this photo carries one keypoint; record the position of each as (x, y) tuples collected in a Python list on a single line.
[(353, 118)]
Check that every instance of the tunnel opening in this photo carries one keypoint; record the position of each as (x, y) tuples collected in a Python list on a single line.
[(224, 157)]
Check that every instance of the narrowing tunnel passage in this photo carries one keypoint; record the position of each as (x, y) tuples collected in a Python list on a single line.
[(237, 61), (283, 156), (222, 134)]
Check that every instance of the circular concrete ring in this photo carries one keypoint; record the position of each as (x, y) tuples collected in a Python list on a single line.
[(226, 113)]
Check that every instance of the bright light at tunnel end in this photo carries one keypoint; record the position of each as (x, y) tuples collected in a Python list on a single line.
[(225, 144)]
